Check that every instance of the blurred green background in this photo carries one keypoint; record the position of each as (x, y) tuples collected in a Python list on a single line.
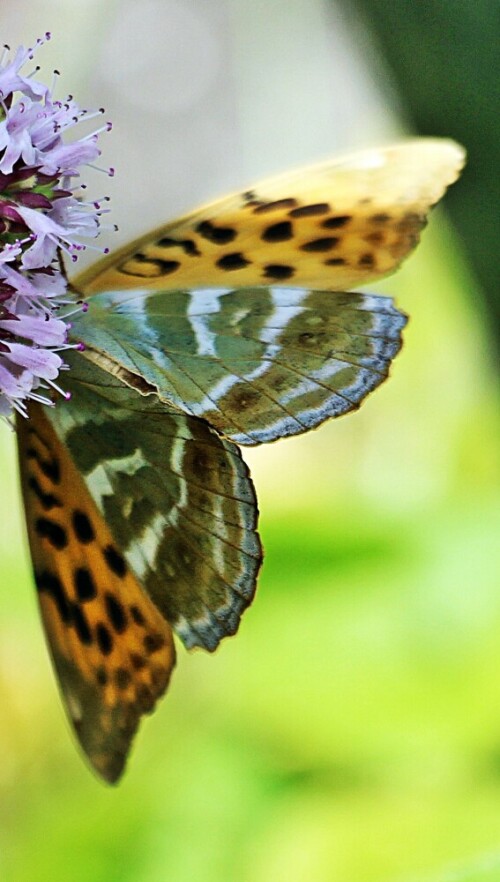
[(351, 731)]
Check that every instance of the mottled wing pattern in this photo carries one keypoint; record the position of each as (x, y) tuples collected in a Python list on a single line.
[(257, 363), (139, 518), (112, 650), (177, 498), (330, 227)]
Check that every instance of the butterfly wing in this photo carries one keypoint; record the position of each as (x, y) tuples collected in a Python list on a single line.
[(112, 650), (139, 518), (256, 363), (208, 329), (330, 227)]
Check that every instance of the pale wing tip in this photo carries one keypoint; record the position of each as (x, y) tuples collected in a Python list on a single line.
[(434, 164), (448, 155), (446, 161), (423, 167), (443, 158)]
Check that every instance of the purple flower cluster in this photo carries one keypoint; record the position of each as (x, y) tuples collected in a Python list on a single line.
[(40, 217)]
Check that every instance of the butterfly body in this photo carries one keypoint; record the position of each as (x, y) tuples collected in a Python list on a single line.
[(231, 326)]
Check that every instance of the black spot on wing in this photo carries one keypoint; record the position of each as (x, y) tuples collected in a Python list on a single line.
[(233, 261), (116, 613), (47, 500), (188, 246), (147, 267), (367, 261), (249, 196), (84, 584), (165, 267), (335, 222), (218, 235), (138, 662), (153, 642), (277, 205), (320, 245), (83, 528), (137, 616), (49, 467), (278, 272), (81, 625), (50, 584), (310, 210), (280, 232), (104, 639), (52, 532), (115, 561)]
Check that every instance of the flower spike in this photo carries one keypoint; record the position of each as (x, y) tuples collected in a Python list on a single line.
[(41, 217)]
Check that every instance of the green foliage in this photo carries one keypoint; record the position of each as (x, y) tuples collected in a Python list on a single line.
[(444, 59)]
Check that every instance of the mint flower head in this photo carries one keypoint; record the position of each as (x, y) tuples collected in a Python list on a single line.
[(41, 217)]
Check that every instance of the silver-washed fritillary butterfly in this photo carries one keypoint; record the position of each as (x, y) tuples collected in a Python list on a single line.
[(229, 326)]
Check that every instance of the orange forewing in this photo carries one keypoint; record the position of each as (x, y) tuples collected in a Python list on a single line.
[(332, 226), (112, 649)]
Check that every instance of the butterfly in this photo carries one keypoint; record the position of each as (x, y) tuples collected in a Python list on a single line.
[(233, 326)]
